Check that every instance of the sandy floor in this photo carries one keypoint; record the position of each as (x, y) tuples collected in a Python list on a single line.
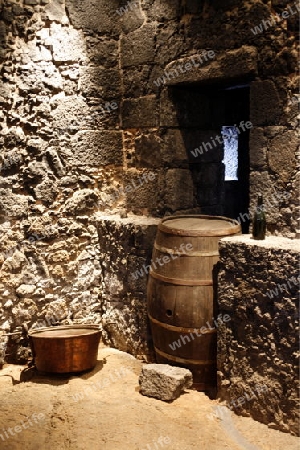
[(103, 410)]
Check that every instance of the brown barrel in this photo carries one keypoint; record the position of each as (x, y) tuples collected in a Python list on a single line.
[(181, 293)]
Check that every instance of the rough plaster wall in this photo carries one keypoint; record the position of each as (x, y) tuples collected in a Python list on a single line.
[(258, 286), (81, 119)]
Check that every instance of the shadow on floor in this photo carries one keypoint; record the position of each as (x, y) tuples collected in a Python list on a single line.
[(56, 379)]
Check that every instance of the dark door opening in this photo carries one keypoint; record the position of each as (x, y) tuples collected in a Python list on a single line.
[(214, 122)]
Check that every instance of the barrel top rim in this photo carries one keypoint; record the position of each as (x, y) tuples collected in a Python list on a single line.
[(200, 225)]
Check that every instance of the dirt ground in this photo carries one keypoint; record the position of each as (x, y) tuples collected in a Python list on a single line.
[(103, 410)]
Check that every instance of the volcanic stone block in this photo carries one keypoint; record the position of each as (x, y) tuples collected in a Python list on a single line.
[(96, 148), (169, 48), (55, 11), (275, 197), (132, 18), (137, 81), (99, 82), (231, 64), (73, 114), (103, 53), (68, 44), (174, 149), (265, 108), (160, 10), (168, 113), (179, 189), (46, 191), (94, 15), (24, 290), (164, 382), (142, 190), (258, 148), (141, 112), (281, 154), (138, 47), (147, 151), (126, 246), (81, 202), (2, 31), (13, 205)]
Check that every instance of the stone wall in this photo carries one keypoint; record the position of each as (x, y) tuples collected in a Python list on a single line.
[(88, 130), (258, 287), (126, 247)]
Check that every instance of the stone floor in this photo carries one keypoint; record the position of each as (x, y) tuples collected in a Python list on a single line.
[(103, 410)]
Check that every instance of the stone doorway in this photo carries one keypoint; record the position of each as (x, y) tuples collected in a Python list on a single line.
[(209, 117)]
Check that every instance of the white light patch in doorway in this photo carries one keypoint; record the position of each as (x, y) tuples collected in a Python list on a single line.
[(231, 142)]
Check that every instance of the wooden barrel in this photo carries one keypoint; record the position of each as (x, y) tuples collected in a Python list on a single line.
[(181, 293)]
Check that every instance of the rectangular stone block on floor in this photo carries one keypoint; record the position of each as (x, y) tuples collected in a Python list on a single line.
[(164, 382)]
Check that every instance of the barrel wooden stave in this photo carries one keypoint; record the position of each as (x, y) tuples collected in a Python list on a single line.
[(181, 306), (185, 345), (184, 267), (204, 376), (181, 297)]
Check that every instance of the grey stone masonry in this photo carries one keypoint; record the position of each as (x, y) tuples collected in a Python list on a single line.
[(125, 251), (258, 286)]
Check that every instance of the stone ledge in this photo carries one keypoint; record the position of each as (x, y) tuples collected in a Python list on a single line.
[(258, 287), (271, 242), (129, 220)]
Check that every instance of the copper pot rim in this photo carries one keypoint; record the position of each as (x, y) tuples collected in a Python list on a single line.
[(34, 333)]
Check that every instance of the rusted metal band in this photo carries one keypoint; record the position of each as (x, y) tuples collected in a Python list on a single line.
[(170, 251), (179, 281), (198, 362), (181, 329)]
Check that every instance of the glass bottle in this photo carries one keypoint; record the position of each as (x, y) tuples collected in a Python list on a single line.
[(259, 224)]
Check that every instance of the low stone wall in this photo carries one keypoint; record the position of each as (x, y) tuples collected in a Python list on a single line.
[(64, 271), (258, 286), (125, 252), (50, 274)]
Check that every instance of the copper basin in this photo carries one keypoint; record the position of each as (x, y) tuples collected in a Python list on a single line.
[(64, 349)]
